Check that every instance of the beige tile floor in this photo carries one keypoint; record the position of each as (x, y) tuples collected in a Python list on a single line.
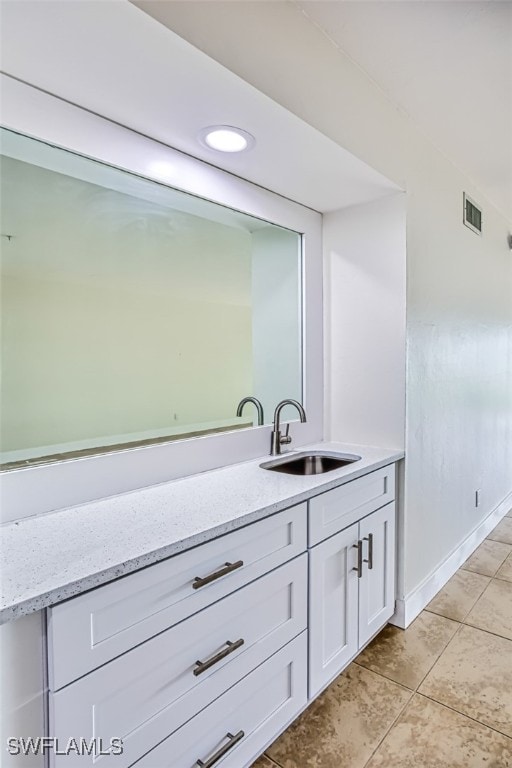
[(437, 695)]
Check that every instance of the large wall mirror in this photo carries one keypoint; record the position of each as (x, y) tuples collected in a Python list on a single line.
[(133, 313)]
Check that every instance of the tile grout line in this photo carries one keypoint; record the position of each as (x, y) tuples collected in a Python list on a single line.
[(488, 632), (463, 714), (450, 641), (278, 765), (487, 586), (463, 620), (479, 573), (414, 690), (459, 621), (393, 723), (498, 578), (499, 541), (389, 679), (482, 629)]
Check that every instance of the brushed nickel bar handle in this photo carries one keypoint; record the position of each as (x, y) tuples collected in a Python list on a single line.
[(222, 751), (201, 581), (202, 666), (359, 567), (369, 539)]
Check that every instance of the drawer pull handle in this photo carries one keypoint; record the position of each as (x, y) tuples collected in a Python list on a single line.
[(359, 566), (222, 751), (202, 666), (201, 581), (369, 539)]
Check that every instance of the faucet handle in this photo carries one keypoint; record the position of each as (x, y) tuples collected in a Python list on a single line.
[(286, 439)]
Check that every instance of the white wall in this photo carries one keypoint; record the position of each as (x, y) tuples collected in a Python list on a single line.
[(459, 285), (459, 370), (22, 703), (364, 252)]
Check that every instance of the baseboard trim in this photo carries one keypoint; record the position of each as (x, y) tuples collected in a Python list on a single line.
[(411, 606)]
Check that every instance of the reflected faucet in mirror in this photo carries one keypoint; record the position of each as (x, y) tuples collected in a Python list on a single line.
[(256, 403), (277, 440)]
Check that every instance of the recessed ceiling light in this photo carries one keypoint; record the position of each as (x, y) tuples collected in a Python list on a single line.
[(226, 138)]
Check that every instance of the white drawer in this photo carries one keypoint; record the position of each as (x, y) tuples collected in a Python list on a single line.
[(254, 711), (148, 693), (91, 629), (335, 510)]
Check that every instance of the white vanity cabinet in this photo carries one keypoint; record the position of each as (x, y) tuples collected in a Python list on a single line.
[(204, 658), (176, 638), (351, 574)]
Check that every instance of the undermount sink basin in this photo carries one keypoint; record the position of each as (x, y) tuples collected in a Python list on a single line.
[(312, 463)]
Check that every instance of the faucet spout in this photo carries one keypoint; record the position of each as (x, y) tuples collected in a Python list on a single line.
[(256, 403), (277, 440)]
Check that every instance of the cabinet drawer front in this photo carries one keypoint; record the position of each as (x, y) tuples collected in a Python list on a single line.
[(91, 629), (258, 707), (337, 509), (148, 693)]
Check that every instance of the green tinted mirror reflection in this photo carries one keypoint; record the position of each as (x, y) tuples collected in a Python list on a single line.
[(133, 313)]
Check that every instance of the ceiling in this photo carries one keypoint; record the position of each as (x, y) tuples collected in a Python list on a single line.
[(448, 65), (115, 60)]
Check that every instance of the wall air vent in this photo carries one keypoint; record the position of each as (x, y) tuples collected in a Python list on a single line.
[(472, 215)]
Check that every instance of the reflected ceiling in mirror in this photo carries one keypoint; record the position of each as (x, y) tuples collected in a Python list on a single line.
[(133, 313)]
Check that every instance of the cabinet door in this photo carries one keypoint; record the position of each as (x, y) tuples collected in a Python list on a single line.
[(333, 593), (377, 583)]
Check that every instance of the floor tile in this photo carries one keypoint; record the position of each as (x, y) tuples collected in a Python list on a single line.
[(503, 531), (264, 762), (493, 611), (474, 676), (406, 656), (488, 557), (432, 736), (505, 572), (459, 595), (344, 725)]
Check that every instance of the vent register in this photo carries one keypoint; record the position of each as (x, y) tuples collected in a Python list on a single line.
[(472, 215)]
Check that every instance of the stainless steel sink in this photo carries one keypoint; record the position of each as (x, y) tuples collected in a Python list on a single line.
[(311, 463)]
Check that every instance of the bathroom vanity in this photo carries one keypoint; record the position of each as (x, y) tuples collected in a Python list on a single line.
[(201, 651)]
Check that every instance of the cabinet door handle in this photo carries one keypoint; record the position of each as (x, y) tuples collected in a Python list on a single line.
[(201, 581), (369, 539), (222, 751), (359, 567), (202, 666)]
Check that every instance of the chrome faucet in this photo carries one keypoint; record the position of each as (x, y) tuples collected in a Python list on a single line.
[(257, 404), (277, 440)]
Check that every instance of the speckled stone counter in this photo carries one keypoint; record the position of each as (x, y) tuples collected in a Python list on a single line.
[(48, 558)]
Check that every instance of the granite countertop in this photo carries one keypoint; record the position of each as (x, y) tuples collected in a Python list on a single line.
[(51, 557)]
